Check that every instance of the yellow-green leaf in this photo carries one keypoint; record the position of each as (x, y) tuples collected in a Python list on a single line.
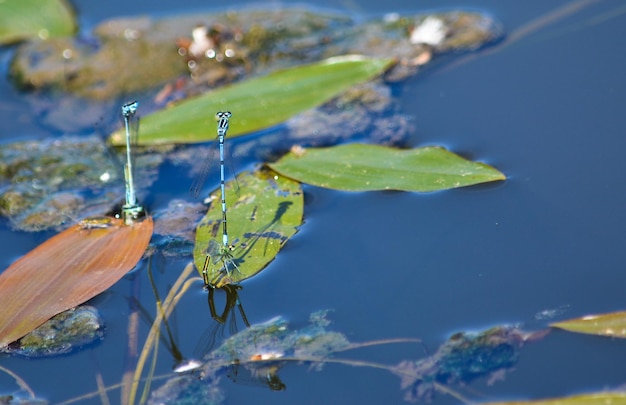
[(599, 398), (67, 270), (23, 19), (257, 103), (263, 211), (359, 167), (611, 324)]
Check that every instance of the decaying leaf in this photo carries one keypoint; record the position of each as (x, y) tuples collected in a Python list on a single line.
[(67, 270)]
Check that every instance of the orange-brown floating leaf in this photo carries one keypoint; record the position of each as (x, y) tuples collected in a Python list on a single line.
[(611, 324), (67, 270)]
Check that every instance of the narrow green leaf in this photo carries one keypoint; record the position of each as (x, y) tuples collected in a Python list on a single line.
[(598, 398), (23, 19), (258, 103), (262, 214), (611, 324), (359, 167)]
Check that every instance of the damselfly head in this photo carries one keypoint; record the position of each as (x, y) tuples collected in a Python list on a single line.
[(129, 109), (222, 125)]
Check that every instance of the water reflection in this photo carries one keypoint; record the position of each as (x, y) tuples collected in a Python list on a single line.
[(266, 376), (232, 300)]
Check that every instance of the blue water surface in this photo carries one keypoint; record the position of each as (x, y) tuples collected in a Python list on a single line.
[(545, 106)]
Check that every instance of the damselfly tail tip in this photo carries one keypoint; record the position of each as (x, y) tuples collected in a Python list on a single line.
[(132, 213)]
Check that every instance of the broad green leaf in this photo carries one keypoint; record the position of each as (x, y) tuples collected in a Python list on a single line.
[(599, 398), (611, 324), (257, 103), (67, 270), (23, 19), (359, 167), (263, 211)]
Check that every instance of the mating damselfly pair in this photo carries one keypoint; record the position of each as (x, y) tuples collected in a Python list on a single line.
[(219, 264)]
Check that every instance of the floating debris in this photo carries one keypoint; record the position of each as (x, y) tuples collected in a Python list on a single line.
[(176, 227), (228, 46), (96, 223), (552, 313), (432, 31), (63, 333), (51, 183), (463, 358), (253, 355)]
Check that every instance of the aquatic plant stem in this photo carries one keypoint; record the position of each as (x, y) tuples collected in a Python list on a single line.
[(19, 381), (104, 399), (357, 363), (179, 288), (131, 354)]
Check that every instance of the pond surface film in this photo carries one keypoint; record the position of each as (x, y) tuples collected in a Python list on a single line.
[(544, 106)]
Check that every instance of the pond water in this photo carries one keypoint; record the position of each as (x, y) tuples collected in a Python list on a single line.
[(544, 107)]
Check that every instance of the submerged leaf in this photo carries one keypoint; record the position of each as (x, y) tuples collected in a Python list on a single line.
[(598, 398), (463, 358), (611, 324), (262, 215), (23, 19), (255, 355), (67, 270), (62, 333), (266, 101), (359, 167), (275, 340), (43, 183)]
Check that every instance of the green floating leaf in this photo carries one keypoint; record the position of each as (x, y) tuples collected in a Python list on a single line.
[(23, 19), (611, 324), (258, 103), (599, 398), (359, 167), (263, 213)]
